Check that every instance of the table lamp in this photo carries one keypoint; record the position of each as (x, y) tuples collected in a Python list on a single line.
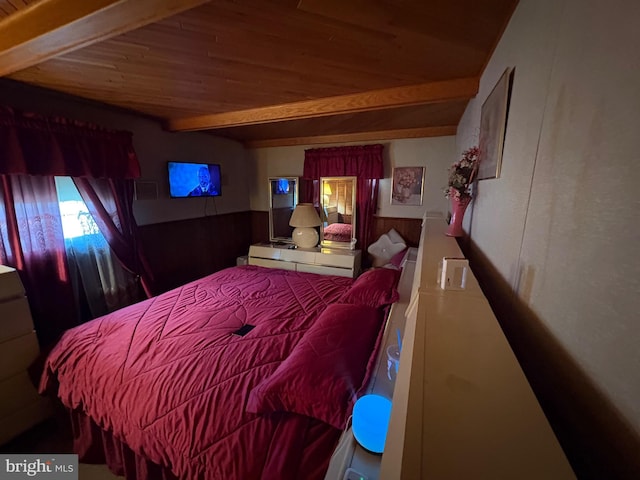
[(305, 219), (371, 415)]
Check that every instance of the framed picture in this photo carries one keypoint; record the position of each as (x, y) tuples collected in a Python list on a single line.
[(406, 185), (493, 125)]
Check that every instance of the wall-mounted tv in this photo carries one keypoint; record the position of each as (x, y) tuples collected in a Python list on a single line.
[(194, 180)]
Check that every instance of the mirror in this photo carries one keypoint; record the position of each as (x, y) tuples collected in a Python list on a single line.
[(283, 198), (338, 212)]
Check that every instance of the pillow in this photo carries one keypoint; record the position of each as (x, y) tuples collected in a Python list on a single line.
[(375, 288), (325, 370), (398, 258), (383, 249), (395, 237)]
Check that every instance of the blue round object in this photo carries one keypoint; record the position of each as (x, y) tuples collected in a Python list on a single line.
[(371, 415)]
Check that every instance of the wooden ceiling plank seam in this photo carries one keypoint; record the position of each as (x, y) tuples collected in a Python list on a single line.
[(7, 9), (151, 97), (289, 22), (113, 89), (382, 135), (452, 22), (169, 70), (397, 55), (348, 64), (372, 100), (139, 78), (404, 51), (53, 27), (18, 4), (390, 65)]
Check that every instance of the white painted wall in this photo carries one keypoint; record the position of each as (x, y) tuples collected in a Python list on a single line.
[(435, 154), (155, 147), (561, 224)]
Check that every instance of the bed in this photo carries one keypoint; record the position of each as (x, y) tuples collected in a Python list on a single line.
[(165, 389), (338, 232)]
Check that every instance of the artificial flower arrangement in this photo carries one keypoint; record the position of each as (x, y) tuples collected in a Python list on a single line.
[(461, 175), (407, 178)]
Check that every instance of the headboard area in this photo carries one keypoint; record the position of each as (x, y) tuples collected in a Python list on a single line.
[(408, 228)]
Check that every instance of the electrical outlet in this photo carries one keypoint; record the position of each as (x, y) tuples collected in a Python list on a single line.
[(351, 474)]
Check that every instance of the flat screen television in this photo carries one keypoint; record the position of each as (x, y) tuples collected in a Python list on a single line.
[(194, 180)]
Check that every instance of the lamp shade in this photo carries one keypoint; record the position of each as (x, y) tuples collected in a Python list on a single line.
[(305, 215), (326, 188), (371, 415), (304, 218)]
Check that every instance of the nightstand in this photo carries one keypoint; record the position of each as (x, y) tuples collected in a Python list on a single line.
[(324, 261)]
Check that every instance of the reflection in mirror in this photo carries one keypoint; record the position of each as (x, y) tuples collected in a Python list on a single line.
[(283, 198), (338, 212)]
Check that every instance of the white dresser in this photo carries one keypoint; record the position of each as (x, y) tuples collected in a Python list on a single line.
[(20, 405), (324, 261)]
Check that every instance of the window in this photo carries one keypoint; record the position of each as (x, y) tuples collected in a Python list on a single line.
[(76, 219), (97, 274)]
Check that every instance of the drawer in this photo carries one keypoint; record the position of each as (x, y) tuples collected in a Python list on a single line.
[(264, 252), (15, 393), (335, 260), (323, 270), (17, 354), (10, 284), (297, 255), (15, 319), (264, 262)]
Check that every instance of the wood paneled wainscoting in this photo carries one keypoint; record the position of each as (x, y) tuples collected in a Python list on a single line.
[(259, 226), (185, 250), (409, 228)]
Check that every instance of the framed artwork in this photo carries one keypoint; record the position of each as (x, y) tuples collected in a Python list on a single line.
[(407, 185), (493, 125)]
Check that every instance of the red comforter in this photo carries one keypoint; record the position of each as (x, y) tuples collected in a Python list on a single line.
[(167, 377), (338, 232)]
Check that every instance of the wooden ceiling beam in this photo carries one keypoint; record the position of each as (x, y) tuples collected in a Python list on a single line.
[(49, 28), (434, 92), (355, 137)]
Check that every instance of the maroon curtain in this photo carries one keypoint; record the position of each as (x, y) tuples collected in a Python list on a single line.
[(110, 204), (34, 149), (31, 241), (364, 162), (36, 145)]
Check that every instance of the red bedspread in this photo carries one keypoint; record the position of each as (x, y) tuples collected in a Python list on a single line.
[(167, 377), (338, 232)]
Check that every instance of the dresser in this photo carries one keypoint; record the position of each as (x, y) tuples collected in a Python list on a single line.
[(324, 261), (20, 405)]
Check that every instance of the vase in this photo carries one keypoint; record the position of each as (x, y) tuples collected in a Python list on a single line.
[(458, 207)]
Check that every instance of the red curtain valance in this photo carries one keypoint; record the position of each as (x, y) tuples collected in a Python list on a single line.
[(362, 161), (37, 145)]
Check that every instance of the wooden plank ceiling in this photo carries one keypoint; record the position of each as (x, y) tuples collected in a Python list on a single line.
[(265, 72)]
